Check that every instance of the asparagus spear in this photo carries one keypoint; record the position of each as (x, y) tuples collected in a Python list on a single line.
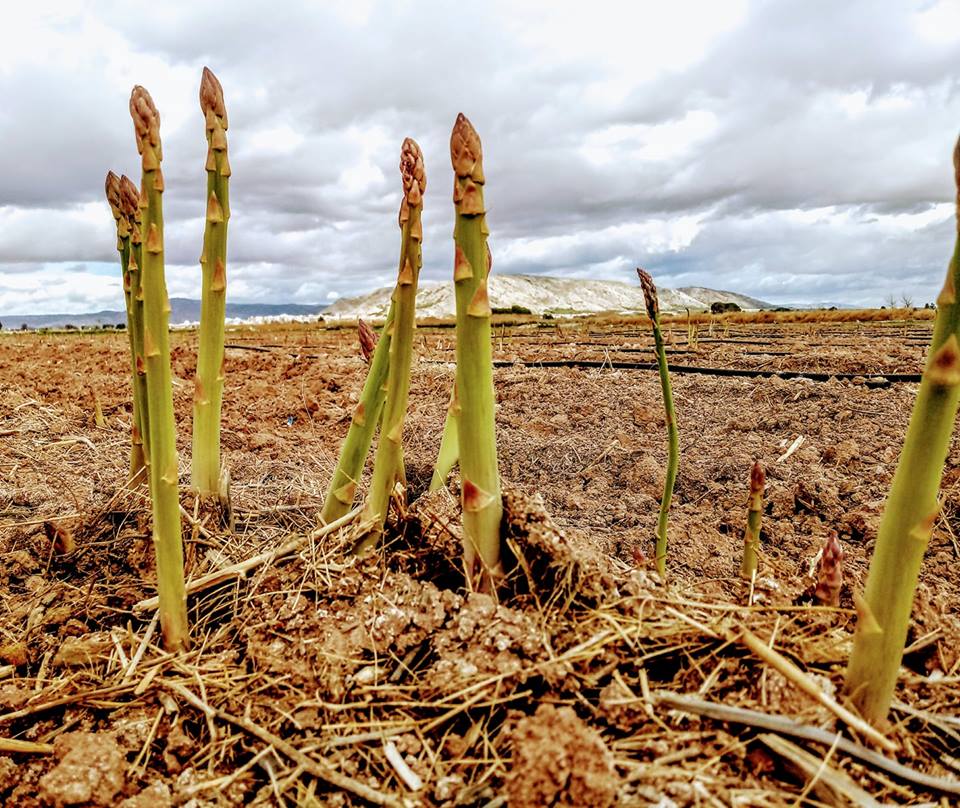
[(366, 416), (829, 573), (449, 443), (751, 536), (367, 338), (912, 508), (130, 203), (673, 438), (480, 492), (156, 354), (388, 464), (208, 385), (112, 188)]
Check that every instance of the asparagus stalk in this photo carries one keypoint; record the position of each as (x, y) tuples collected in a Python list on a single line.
[(156, 355), (366, 416), (113, 190), (449, 443), (208, 384), (480, 491), (673, 438), (829, 573), (367, 338), (388, 464), (751, 536), (130, 202), (911, 510)]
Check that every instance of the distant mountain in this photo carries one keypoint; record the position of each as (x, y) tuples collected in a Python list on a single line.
[(183, 310), (710, 296), (542, 294)]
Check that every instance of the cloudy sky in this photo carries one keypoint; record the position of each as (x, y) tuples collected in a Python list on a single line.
[(795, 150)]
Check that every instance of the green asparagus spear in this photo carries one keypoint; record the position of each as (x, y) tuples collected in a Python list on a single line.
[(388, 464), (156, 353), (480, 492), (911, 511), (673, 438), (208, 385)]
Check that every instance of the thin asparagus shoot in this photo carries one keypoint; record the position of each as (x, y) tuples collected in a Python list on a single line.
[(114, 193), (673, 437), (130, 203), (164, 473), (751, 536), (363, 425), (208, 384), (388, 463), (449, 443)]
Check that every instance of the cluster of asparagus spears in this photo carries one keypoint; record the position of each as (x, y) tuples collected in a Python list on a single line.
[(383, 400), (153, 456), (469, 434)]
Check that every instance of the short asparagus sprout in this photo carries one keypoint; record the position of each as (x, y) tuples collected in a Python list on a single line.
[(368, 340), (449, 443), (673, 437), (912, 509), (480, 491), (692, 332), (123, 216), (366, 416), (829, 573), (208, 385), (751, 536), (164, 473), (388, 464)]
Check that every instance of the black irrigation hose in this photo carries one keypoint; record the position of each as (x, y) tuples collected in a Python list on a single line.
[(871, 379)]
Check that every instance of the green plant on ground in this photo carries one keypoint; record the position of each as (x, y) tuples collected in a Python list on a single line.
[(751, 536), (692, 332), (673, 437), (480, 490), (133, 287), (208, 385), (367, 338), (449, 443), (164, 473), (388, 464), (124, 222), (363, 423), (911, 510)]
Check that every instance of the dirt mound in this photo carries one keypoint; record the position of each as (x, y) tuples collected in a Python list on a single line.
[(558, 760), (90, 771)]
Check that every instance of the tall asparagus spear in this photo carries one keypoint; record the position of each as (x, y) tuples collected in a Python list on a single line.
[(130, 203), (366, 416), (751, 536), (673, 438), (480, 492), (388, 465), (208, 385), (156, 355), (112, 187), (911, 510)]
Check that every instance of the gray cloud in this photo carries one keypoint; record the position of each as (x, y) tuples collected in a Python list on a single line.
[(795, 151)]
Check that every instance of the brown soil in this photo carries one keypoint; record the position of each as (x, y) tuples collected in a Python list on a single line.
[(547, 696)]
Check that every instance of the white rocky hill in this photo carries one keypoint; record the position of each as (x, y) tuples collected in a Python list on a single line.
[(541, 294)]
